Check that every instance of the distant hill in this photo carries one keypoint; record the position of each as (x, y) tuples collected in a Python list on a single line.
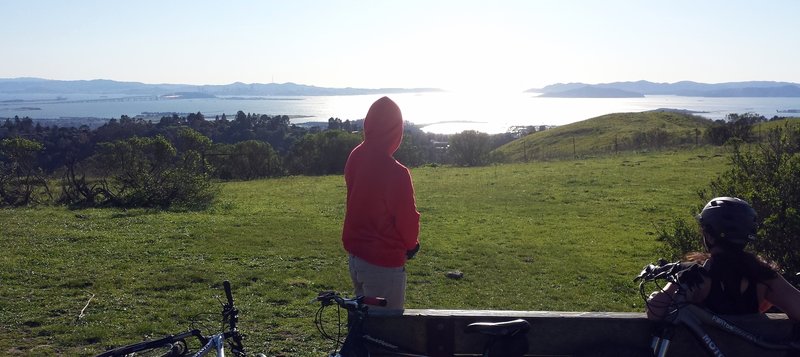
[(594, 92), (683, 88), (105, 87), (607, 133)]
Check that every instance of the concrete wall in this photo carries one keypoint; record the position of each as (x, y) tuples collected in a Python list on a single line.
[(440, 332)]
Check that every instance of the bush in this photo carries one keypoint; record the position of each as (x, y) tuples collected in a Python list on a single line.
[(679, 238), (140, 172)]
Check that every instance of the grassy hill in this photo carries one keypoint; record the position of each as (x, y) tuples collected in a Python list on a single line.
[(607, 133), (566, 235), (764, 127)]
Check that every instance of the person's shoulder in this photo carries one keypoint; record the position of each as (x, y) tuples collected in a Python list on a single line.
[(399, 168)]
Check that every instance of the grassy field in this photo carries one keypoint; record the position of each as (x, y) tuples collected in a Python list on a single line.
[(563, 235)]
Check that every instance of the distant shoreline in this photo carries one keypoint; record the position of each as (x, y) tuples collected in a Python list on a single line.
[(441, 113)]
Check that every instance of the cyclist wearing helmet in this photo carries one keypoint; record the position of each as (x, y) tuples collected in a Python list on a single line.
[(732, 280)]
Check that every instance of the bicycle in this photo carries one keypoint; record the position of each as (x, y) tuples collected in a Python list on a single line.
[(681, 312), (177, 345), (506, 338)]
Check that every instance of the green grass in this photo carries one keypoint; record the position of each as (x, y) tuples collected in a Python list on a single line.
[(564, 235)]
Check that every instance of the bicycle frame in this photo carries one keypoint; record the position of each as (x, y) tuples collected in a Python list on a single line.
[(694, 318), (217, 342)]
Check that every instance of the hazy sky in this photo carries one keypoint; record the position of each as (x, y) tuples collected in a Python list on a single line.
[(454, 45)]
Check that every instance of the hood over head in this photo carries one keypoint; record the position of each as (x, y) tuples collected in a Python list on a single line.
[(383, 126)]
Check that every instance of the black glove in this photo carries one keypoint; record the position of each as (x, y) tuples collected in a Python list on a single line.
[(412, 252), (692, 277)]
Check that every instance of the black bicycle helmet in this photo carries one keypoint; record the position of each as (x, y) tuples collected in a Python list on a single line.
[(730, 220)]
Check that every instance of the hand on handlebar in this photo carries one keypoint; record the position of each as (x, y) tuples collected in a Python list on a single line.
[(693, 282)]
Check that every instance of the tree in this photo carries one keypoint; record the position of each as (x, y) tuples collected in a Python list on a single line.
[(190, 142), (470, 148), (21, 179), (334, 124), (195, 120), (739, 126), (416, 148), (249, 160), (322, 153)]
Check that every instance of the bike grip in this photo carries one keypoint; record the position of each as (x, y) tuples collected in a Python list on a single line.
[(375, 301), (227, 285)]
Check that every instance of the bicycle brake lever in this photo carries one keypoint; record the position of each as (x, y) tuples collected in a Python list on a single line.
[(648, 269), (325, 297)]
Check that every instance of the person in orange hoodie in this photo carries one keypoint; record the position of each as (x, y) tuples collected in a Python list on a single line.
[(381, 224)]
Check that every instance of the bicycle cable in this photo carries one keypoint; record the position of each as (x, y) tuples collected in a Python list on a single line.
[(318, 321)]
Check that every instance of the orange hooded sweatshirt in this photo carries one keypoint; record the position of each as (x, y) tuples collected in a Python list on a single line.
[(381, 222)]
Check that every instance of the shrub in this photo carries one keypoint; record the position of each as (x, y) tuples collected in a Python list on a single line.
[(679, 238), (140, 172)]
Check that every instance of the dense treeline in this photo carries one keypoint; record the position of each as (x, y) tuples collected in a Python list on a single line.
[(135, 162)]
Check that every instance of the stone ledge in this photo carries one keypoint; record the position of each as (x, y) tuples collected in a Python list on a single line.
[(555, 333)]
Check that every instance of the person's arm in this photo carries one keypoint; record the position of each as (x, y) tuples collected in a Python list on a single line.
[(658, 302), (784, 296), (405, 210)]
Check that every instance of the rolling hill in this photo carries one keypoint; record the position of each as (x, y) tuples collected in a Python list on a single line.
[(607, 133), (683, 88), (102, 86)]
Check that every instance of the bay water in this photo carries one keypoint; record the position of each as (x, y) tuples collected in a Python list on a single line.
[(437, 112)]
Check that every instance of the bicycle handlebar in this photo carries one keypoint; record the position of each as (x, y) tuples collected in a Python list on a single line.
[(329, 297), (231, 314), (685, 275), (661, 271), (374, 301)]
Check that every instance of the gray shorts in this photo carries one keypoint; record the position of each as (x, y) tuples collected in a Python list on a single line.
[(377, 281)]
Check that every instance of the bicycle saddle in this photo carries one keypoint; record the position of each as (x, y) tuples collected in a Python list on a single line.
[(504, 328)]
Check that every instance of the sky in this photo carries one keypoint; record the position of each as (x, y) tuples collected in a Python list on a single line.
[(455, 45)]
